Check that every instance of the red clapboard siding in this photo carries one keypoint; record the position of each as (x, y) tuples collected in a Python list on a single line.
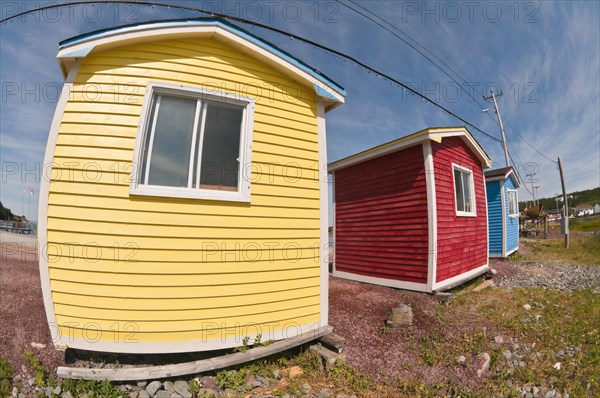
[(381, 217), (462, 241)]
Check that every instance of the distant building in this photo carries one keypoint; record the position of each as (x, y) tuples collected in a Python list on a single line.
[(584, 210), (597, 208)]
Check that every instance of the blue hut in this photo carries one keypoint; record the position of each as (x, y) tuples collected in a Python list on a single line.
[(503, 211)]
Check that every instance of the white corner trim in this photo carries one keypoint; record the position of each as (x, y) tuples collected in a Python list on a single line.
[(324, 214), (221, 340), (334, 210), (431, 215), (419, 287), (458, 279), (201, 94), (503, 201), (44, 198), (487, 213), (508, 253)]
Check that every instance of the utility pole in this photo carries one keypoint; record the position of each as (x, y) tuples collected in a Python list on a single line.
[(565, 220), (530, 175), (493, 98)]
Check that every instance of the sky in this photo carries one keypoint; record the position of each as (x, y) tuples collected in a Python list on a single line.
[(544, 57)]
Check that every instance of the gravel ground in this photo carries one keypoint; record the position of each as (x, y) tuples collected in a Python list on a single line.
[(554, 275)]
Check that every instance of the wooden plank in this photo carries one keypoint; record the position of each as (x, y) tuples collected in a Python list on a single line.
[(484, 285), (187, 368)]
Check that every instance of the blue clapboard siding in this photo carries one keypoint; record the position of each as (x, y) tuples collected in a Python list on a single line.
[(494, 202), (512, 223)]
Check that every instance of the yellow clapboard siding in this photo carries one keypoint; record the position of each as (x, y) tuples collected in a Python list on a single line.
[(89, 289), (170, 315), (123, 191), (179, 206), (246, 260), (74, 128), (189, 220), (246, 239), (191, 279), (102, 118), (129, 332), (96, 141), (150, 304), (189, 234), (126, 254), (158, 326)]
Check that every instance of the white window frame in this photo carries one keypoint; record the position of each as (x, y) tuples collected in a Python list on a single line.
[(243, 192), (508, 193), (473, 212)]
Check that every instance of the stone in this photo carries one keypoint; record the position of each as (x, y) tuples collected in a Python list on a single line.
[(499, 339), (461, 359), (526, 307), (15, 391), (68, 395), (181, 388), (306, 388), (507, 355), (535, 390), (162, 394), (38, 346), (443, 297), (325, 393), (142, 384), (209, 382), (153, 387), (57, 390), (175, 395), (144, 394), (400, 316), (277, 374), (550, 394), (134, 394), (481, 364), (168, 386)]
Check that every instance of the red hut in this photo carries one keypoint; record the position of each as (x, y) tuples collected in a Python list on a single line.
[(412, 213)]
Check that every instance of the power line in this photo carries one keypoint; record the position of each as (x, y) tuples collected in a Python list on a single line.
[(276, 30), (431, 61)]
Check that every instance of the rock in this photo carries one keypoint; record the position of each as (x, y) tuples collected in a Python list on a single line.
[(499, 339), (507, 355), (209, 382), (168, 386), (57, 390), (134, 394), (254, 383), (144, 394), (15, 391), (526, 307), (443, 297), (68, 395), (181, 388), (277, 374), (162, 394), (142, 384), (306, 388), (400, 316), (38, 346), (481, 364), (175, 395), (153, 387), (325, 393), (535, 390), (550, 394), (461, 359)]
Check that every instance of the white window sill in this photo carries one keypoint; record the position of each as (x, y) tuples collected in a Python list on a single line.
[(187, 193), (465, 214)]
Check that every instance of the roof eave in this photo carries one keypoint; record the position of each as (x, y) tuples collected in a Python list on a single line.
[(82, 46)]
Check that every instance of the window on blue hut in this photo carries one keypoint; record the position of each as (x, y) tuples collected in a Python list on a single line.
[(513, 203), (194, 145), (464, 191)]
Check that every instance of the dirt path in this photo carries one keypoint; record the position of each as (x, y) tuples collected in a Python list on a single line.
[(22, 314)]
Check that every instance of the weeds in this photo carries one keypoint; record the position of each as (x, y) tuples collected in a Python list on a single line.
[(6, 381)]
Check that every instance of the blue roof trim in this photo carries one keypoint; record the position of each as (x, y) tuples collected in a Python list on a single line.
[(324, 93), (217, 21)]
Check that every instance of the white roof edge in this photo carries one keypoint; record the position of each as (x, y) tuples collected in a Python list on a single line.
[(411, 140), (326, 89)]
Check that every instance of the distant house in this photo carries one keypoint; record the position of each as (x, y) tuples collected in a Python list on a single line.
[(412, 213), (503, 211), (584, 210), (597, 208)]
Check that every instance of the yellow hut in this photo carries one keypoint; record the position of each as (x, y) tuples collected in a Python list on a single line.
[(185, 207)]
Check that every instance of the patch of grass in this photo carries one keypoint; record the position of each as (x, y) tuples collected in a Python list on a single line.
[(583, 250), (37, 366), (91, 388), (587, 224), (567, 320), (6, 378)]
